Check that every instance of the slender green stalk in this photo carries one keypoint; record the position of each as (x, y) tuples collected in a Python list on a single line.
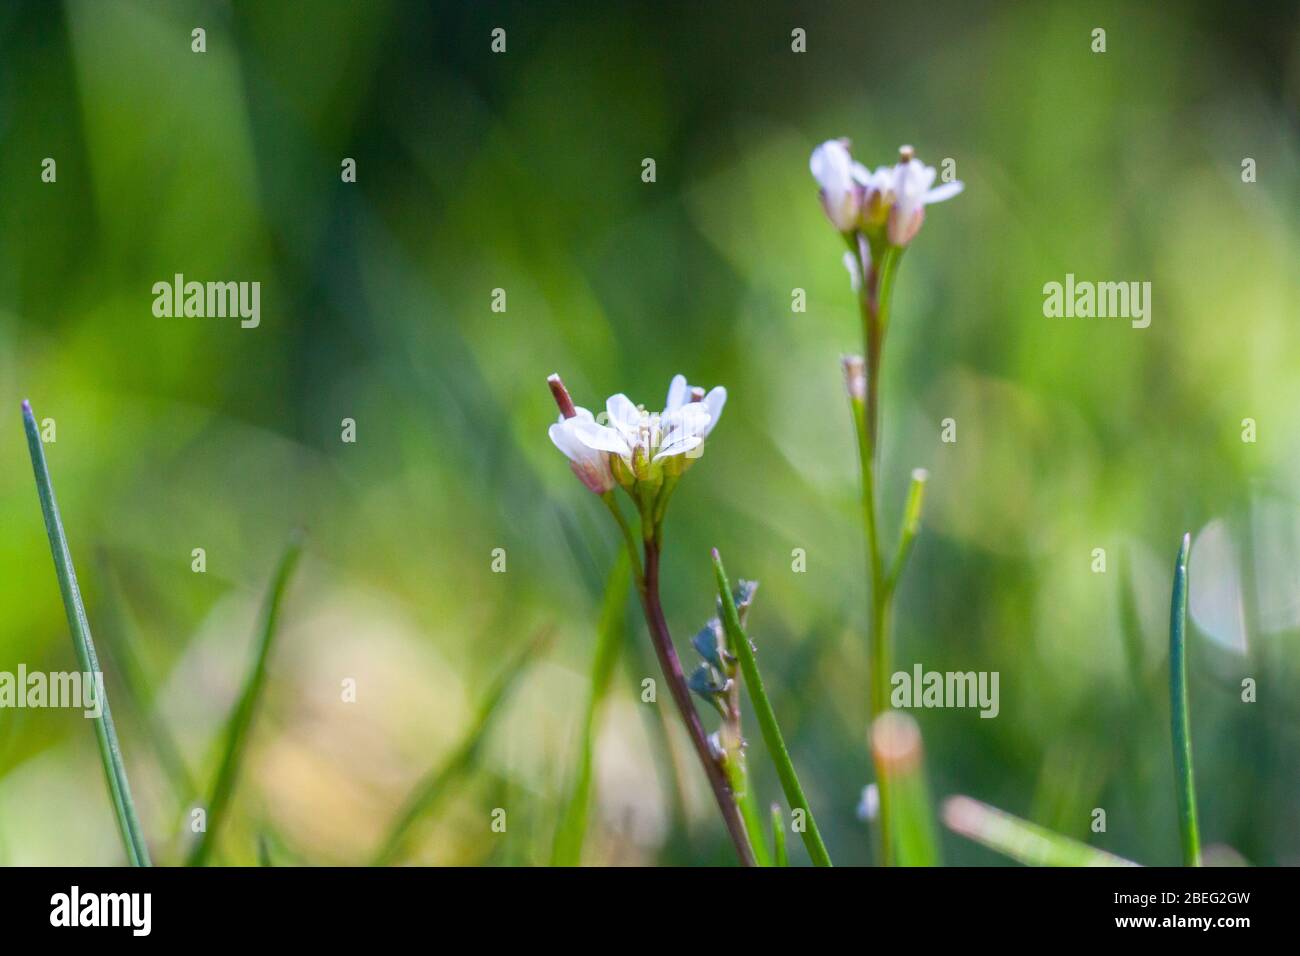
[(738, 644), (429, 792), (1019, 839), (738, 777), (875, 296), (1180, 720), (119, 789), (778, 837), (911, 527), (897, 752), (572, 830), (241, 718)]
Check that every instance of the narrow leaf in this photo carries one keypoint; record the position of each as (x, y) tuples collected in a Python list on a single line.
[(241, 718), (738, 644), (119, 789), (1184, 781)]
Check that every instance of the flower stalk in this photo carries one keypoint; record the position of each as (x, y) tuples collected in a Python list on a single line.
[(646, 453), (877, 214)]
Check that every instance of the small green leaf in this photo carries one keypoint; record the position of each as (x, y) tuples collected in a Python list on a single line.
[(241, 717)]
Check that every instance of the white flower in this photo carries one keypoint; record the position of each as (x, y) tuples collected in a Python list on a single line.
[(680, 394), (911, 190), (836, 173), (642, 438), (591, 466)]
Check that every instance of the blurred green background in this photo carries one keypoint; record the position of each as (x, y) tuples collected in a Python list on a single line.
[(522, 171)]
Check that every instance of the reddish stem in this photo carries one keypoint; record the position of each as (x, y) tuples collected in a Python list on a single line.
[(672, 669)]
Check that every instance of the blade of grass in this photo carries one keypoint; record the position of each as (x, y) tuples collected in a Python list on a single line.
[(896, 749), (110, 752), (1184, 781), (778, 837), (572, 829), (738, 643), (430, 790), (241, 718), (1019, 839)]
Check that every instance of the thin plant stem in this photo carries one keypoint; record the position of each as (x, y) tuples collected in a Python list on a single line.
[(738, 644), (875, 295), (778, 837), (1184, 780), (672, 670), (241, 718), (110, 752)]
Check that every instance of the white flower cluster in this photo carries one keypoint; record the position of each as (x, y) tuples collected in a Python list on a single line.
[(630, 444), (890, 201)]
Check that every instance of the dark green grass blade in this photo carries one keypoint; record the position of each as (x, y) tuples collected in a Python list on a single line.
[(1019, 839), (434, 786), (110, 752), (572, 829), (1184, 781), (241, 718), (738, 642)]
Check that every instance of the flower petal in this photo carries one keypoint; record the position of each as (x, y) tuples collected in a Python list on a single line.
[(679, 447), (602, 438), (715, 401), (943, 191), (676, 394)]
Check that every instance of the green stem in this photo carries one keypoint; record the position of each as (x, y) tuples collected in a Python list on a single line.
[(1184, 780), (241, 718), (738, 644), (875, 297), (738, 777), (119, 788), (778, 837)]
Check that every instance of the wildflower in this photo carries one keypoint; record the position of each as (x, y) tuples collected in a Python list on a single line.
[(833, 168), (912, 193), (635, 444), (887, 204)]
